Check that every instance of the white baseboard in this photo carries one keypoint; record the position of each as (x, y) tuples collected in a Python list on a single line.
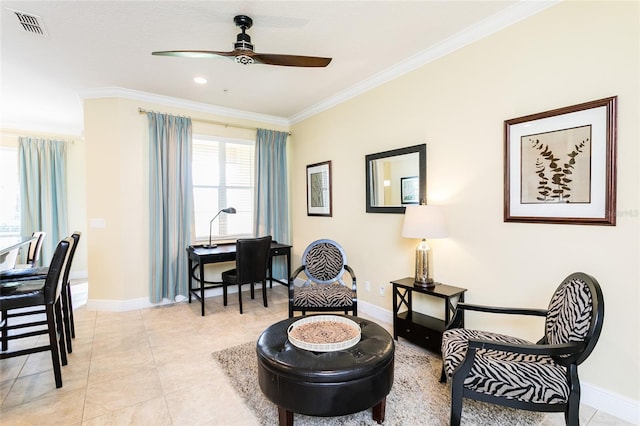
[(594, 396), (375, 312), (611, 403), (143, 302)]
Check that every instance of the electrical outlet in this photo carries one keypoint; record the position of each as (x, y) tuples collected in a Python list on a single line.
[(381, 290), (367, 285)]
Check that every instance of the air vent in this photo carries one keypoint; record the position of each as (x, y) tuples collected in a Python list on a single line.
[(30, 23)]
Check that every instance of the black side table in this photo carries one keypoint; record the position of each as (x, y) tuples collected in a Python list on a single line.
[(423, 330)]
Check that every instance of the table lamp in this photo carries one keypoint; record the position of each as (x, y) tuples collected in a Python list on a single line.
[(228, 210), (423, 221)]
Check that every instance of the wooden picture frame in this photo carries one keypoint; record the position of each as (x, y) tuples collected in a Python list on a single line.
[(560, 165), (410, 190), (319, 201)]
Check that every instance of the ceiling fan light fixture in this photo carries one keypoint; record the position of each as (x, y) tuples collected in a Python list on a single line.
[(244, 59)]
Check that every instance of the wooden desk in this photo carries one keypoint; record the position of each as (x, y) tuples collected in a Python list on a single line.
[(225, 253)]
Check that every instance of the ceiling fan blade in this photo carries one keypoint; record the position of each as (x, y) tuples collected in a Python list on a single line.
[(290, 60), (193, 53)]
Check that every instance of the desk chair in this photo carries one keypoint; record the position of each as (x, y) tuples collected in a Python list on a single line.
[(252, 260)]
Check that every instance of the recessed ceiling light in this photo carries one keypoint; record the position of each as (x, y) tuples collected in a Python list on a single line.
[(200, 80)]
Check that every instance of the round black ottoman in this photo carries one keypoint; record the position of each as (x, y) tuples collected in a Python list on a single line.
[(326, 383)]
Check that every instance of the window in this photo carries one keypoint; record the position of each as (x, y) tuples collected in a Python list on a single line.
[(223, 176), (9, 193)]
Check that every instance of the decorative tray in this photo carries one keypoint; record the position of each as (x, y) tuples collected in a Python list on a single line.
[(324, 333)]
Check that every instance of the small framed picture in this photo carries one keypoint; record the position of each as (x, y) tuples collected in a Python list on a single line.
[(409, 190), (319, 189), (560, 165)]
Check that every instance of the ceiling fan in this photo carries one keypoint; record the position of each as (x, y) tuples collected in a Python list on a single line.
[(243, 51)]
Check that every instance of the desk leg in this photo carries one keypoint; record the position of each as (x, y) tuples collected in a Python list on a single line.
[(270, 271), (201, 266), (288, 266), (189, 281)]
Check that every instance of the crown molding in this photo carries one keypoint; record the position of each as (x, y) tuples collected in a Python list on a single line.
[(119, 92), (503, 19), (37, 129)]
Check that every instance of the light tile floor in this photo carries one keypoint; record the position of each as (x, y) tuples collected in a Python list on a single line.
[(153, 367)]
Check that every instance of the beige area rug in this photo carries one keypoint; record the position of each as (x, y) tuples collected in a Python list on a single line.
[(416, 398)]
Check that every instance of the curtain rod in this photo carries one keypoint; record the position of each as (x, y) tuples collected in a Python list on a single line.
[(16, 133), (218, 123)]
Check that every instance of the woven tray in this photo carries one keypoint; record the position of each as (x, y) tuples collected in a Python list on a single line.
[(324, 347)]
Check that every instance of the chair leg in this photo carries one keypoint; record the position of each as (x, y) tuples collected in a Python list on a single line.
[(53, 343), (59, 329), (70, 303), (240, 296), (264, 293), (65, 316), (572, 411), (4, 331), (253, 292), (443, 375), (224, 294), (457, 384)]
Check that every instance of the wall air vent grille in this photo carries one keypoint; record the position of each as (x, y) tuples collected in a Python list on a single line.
[(30, 23)]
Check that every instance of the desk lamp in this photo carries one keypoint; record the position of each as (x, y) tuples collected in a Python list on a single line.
[(423, 221), (228, 210)]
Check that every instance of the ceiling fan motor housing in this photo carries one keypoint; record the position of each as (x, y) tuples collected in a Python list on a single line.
[(243, 42)]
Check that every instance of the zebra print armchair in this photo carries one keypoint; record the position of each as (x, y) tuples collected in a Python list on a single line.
[(324, 264), (516, 373)]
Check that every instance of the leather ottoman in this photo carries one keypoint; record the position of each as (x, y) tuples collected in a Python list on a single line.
[(326, 383)]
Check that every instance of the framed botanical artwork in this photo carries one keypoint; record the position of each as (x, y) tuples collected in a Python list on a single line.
[(409, 190), (319, 189), (560, 165)]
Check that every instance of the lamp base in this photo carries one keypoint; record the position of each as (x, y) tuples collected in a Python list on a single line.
[(426, 284), (209, 246)]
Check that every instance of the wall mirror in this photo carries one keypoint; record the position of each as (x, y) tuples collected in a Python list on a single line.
[(396, 178)]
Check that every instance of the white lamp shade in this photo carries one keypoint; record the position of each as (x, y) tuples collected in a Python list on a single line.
[(424, 221)]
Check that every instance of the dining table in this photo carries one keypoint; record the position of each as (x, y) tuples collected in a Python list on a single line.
[(9, 251)]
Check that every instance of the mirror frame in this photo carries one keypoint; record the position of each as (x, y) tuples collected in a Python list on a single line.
[(422, 177)]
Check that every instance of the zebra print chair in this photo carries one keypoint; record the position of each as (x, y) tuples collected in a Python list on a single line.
[(516, 373), (324, 263)]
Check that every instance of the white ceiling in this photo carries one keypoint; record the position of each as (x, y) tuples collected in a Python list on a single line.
[(97, 48)]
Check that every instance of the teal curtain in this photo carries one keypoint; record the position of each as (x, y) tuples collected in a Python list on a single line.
[(170, 204), (43, 191), (271, 200)]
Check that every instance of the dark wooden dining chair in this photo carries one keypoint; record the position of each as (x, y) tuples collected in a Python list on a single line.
[(29, 294), (252, 260), (33, 253), (37, 276)]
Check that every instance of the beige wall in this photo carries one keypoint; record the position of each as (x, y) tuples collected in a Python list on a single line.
[(117, 155), (571, 53), (76, 189)]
